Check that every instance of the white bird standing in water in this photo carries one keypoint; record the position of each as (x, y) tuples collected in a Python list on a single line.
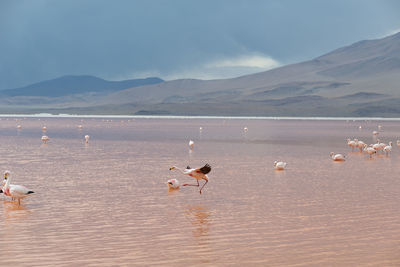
[(388, 148), (44, 128), (87, 137), (369, 150), (173, 184), (337, 157), (279, 165), (191, 144), (351, 143), (19, 127), (45, 138), (198, 174), (15, 191), (375, 133), (245, 129)]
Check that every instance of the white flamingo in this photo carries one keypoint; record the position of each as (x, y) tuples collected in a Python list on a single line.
[(279, 165), (337, 157), (45, 138), (369, 150), (191, 144), (173, 184), (19, 127), (351, 143), (44, 128), (375, 133), (388, 148), (80, 126), (87, 137), (245, 129), (378, 146), (198, 174), (360, 144), (15, 191)]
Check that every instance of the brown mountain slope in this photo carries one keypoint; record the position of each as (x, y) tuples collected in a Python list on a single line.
[(361, 79)]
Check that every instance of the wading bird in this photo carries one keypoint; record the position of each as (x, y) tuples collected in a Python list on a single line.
[(337, 157), (87, 137), (198, 174), (173, 183), (279, 165), (369, 150), (15, 191), (45, 138), (191, 144), (388, 148), (351, 143)]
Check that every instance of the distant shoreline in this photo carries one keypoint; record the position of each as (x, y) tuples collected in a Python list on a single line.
[(46, 115)]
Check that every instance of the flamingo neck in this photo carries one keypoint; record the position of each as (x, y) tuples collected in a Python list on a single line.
[(7, 183)]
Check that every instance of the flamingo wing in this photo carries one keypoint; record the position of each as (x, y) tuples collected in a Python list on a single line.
[(205, 169), (19, 190)]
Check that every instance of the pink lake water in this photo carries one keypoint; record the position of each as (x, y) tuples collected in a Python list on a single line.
[(107, 203)]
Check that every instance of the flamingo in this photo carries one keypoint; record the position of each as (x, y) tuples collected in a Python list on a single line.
[(378, 146), (279, 165), (337, 157), (360, 144), (44, 128), (198, 174), (15, 191), (351, 143), (369, 150), (191, 144), (388, 148), (173, 184), (80, 126), (375, 133), (87, 137), (398, 142), (245, 129), (19, 127), (45, 138)]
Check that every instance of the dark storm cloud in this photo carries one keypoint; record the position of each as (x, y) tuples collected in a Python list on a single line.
[(44, 39)]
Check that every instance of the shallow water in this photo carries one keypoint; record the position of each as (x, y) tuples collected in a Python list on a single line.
[(107, 204)]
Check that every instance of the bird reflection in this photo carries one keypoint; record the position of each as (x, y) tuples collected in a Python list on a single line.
[(200, 218), (13, 211)]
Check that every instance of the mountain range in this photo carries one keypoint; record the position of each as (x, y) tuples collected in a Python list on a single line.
[(362, 79)]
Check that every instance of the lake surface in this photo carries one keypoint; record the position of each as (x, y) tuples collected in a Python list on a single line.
[(106, 203)]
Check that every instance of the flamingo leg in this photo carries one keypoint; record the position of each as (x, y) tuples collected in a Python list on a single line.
[(19, 202), (203, 186), (193, 184)]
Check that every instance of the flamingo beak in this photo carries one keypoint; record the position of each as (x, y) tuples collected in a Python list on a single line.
[(171, 168)]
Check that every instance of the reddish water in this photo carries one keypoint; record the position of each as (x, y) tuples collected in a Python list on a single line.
[(107, 204)]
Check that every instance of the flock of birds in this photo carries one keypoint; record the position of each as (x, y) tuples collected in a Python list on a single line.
[(201, 172), (18, 192)]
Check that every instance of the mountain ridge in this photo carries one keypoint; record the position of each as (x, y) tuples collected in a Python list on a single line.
[(361, 78)]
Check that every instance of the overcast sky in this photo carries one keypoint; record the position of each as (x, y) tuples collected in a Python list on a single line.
[(206, 39)]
